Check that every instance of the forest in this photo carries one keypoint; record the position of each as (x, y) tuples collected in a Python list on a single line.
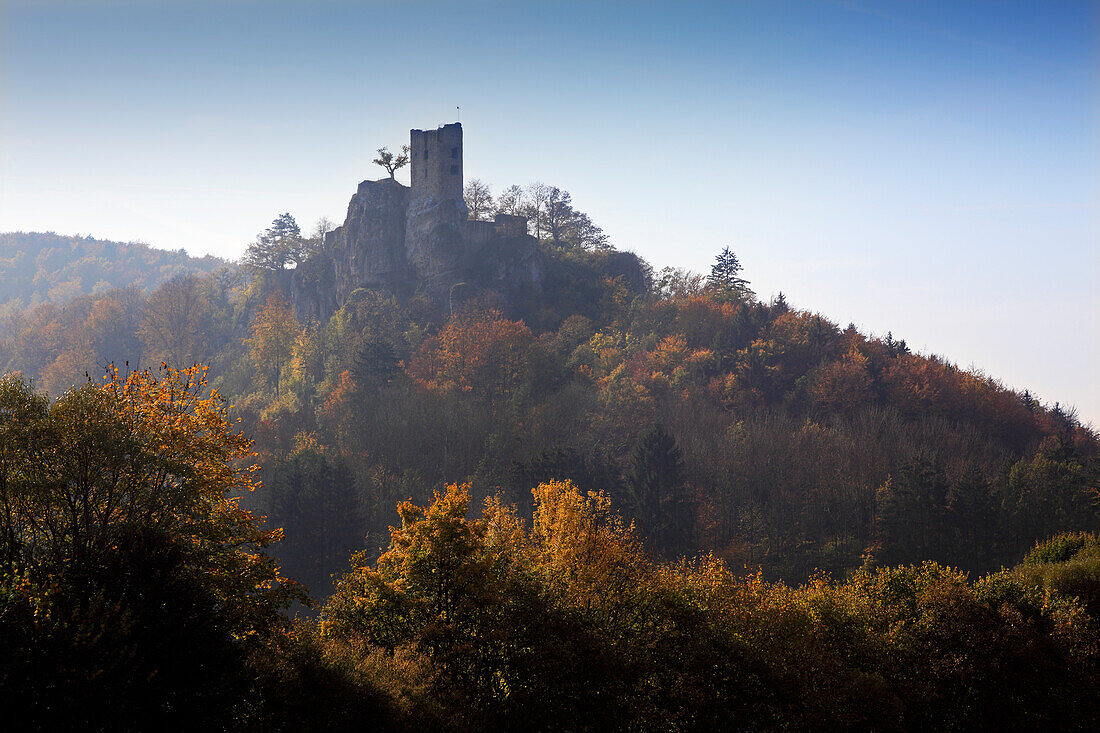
[(637, 500), (40, 267)]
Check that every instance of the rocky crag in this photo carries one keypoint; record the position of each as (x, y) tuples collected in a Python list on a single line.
[(418, 240)]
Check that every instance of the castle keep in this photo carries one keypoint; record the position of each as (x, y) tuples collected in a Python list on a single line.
[(435, 157), (418, 239)]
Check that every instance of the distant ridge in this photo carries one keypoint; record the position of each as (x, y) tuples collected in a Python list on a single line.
[(39, 267)]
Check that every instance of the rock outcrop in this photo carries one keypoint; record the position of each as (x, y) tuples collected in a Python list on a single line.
[(418, 240)]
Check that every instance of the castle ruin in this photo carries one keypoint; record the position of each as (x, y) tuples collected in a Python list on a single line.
[(418, 238)]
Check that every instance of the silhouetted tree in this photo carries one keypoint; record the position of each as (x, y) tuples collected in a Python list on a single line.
[(725, 276), (479, 199), (278, 246), (392, 162)]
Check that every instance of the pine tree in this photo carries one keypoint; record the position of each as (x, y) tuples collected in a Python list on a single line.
[(279, 245), (655, 489), (725, 277)]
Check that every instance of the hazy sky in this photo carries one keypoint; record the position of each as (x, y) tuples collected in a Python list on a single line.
[(930, 168)]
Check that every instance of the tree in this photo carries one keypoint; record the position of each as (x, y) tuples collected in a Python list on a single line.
[(392, 162), (274, 332), (480, 352), (559, 213), (316, 241), (677, 282), (173, 328), (725, 277), (583, 233), (479, 199), (655, 490), (312, 496), (911, 513), (563, 225), (511, 201), (534, 206), (134, 586), (278, 245), (973, 519)]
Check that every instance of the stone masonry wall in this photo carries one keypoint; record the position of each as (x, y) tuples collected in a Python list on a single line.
[(436, 163)]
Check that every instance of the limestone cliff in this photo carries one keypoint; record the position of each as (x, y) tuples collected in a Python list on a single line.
[(408, 247), (417, 239)]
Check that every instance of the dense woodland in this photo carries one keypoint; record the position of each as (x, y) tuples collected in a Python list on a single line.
[(38, 267), (633, 500)]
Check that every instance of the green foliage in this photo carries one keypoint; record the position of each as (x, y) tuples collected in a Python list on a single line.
[(135, 589), (278, 246), (656, 495), (568, 625), (1065, 565), (725, 279)]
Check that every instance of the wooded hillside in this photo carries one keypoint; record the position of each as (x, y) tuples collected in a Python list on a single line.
[(39, 267), (698, 510)]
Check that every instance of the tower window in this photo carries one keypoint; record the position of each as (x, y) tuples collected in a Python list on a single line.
[(454, 169), (454, 152), (425, 153)]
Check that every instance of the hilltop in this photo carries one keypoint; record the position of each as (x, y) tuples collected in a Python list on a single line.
[(698, 509)]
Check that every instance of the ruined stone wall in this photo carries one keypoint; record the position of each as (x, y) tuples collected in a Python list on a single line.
[(436, 163), (418, 239)]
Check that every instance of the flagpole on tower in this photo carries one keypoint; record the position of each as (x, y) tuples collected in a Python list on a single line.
[(459, 113)]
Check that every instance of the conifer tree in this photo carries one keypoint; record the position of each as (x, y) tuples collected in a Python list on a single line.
[(279, 245), (655, 486), (725, 277)]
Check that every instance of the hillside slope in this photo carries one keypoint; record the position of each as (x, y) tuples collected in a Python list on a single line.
[(36, 267), (716, 422)]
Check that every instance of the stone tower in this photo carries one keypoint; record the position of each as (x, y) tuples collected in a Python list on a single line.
[(435, 220), (436, 163), (418, 239)]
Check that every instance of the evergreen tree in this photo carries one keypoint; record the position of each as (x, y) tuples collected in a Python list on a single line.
[(725, 277), (375, 363), (972, 516), (911, 513), (279, 245), (655, 490)]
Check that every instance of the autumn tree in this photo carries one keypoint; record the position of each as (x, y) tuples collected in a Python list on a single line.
[(565, 625), (174, 325), (392, 162), (274, 332), (478, 351), (135, 586)]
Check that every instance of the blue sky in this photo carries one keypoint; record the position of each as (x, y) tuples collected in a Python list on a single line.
[(931, 168)]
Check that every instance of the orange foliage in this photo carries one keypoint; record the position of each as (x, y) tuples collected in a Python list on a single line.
[(477, 351), (703, 320), (842, 386)]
